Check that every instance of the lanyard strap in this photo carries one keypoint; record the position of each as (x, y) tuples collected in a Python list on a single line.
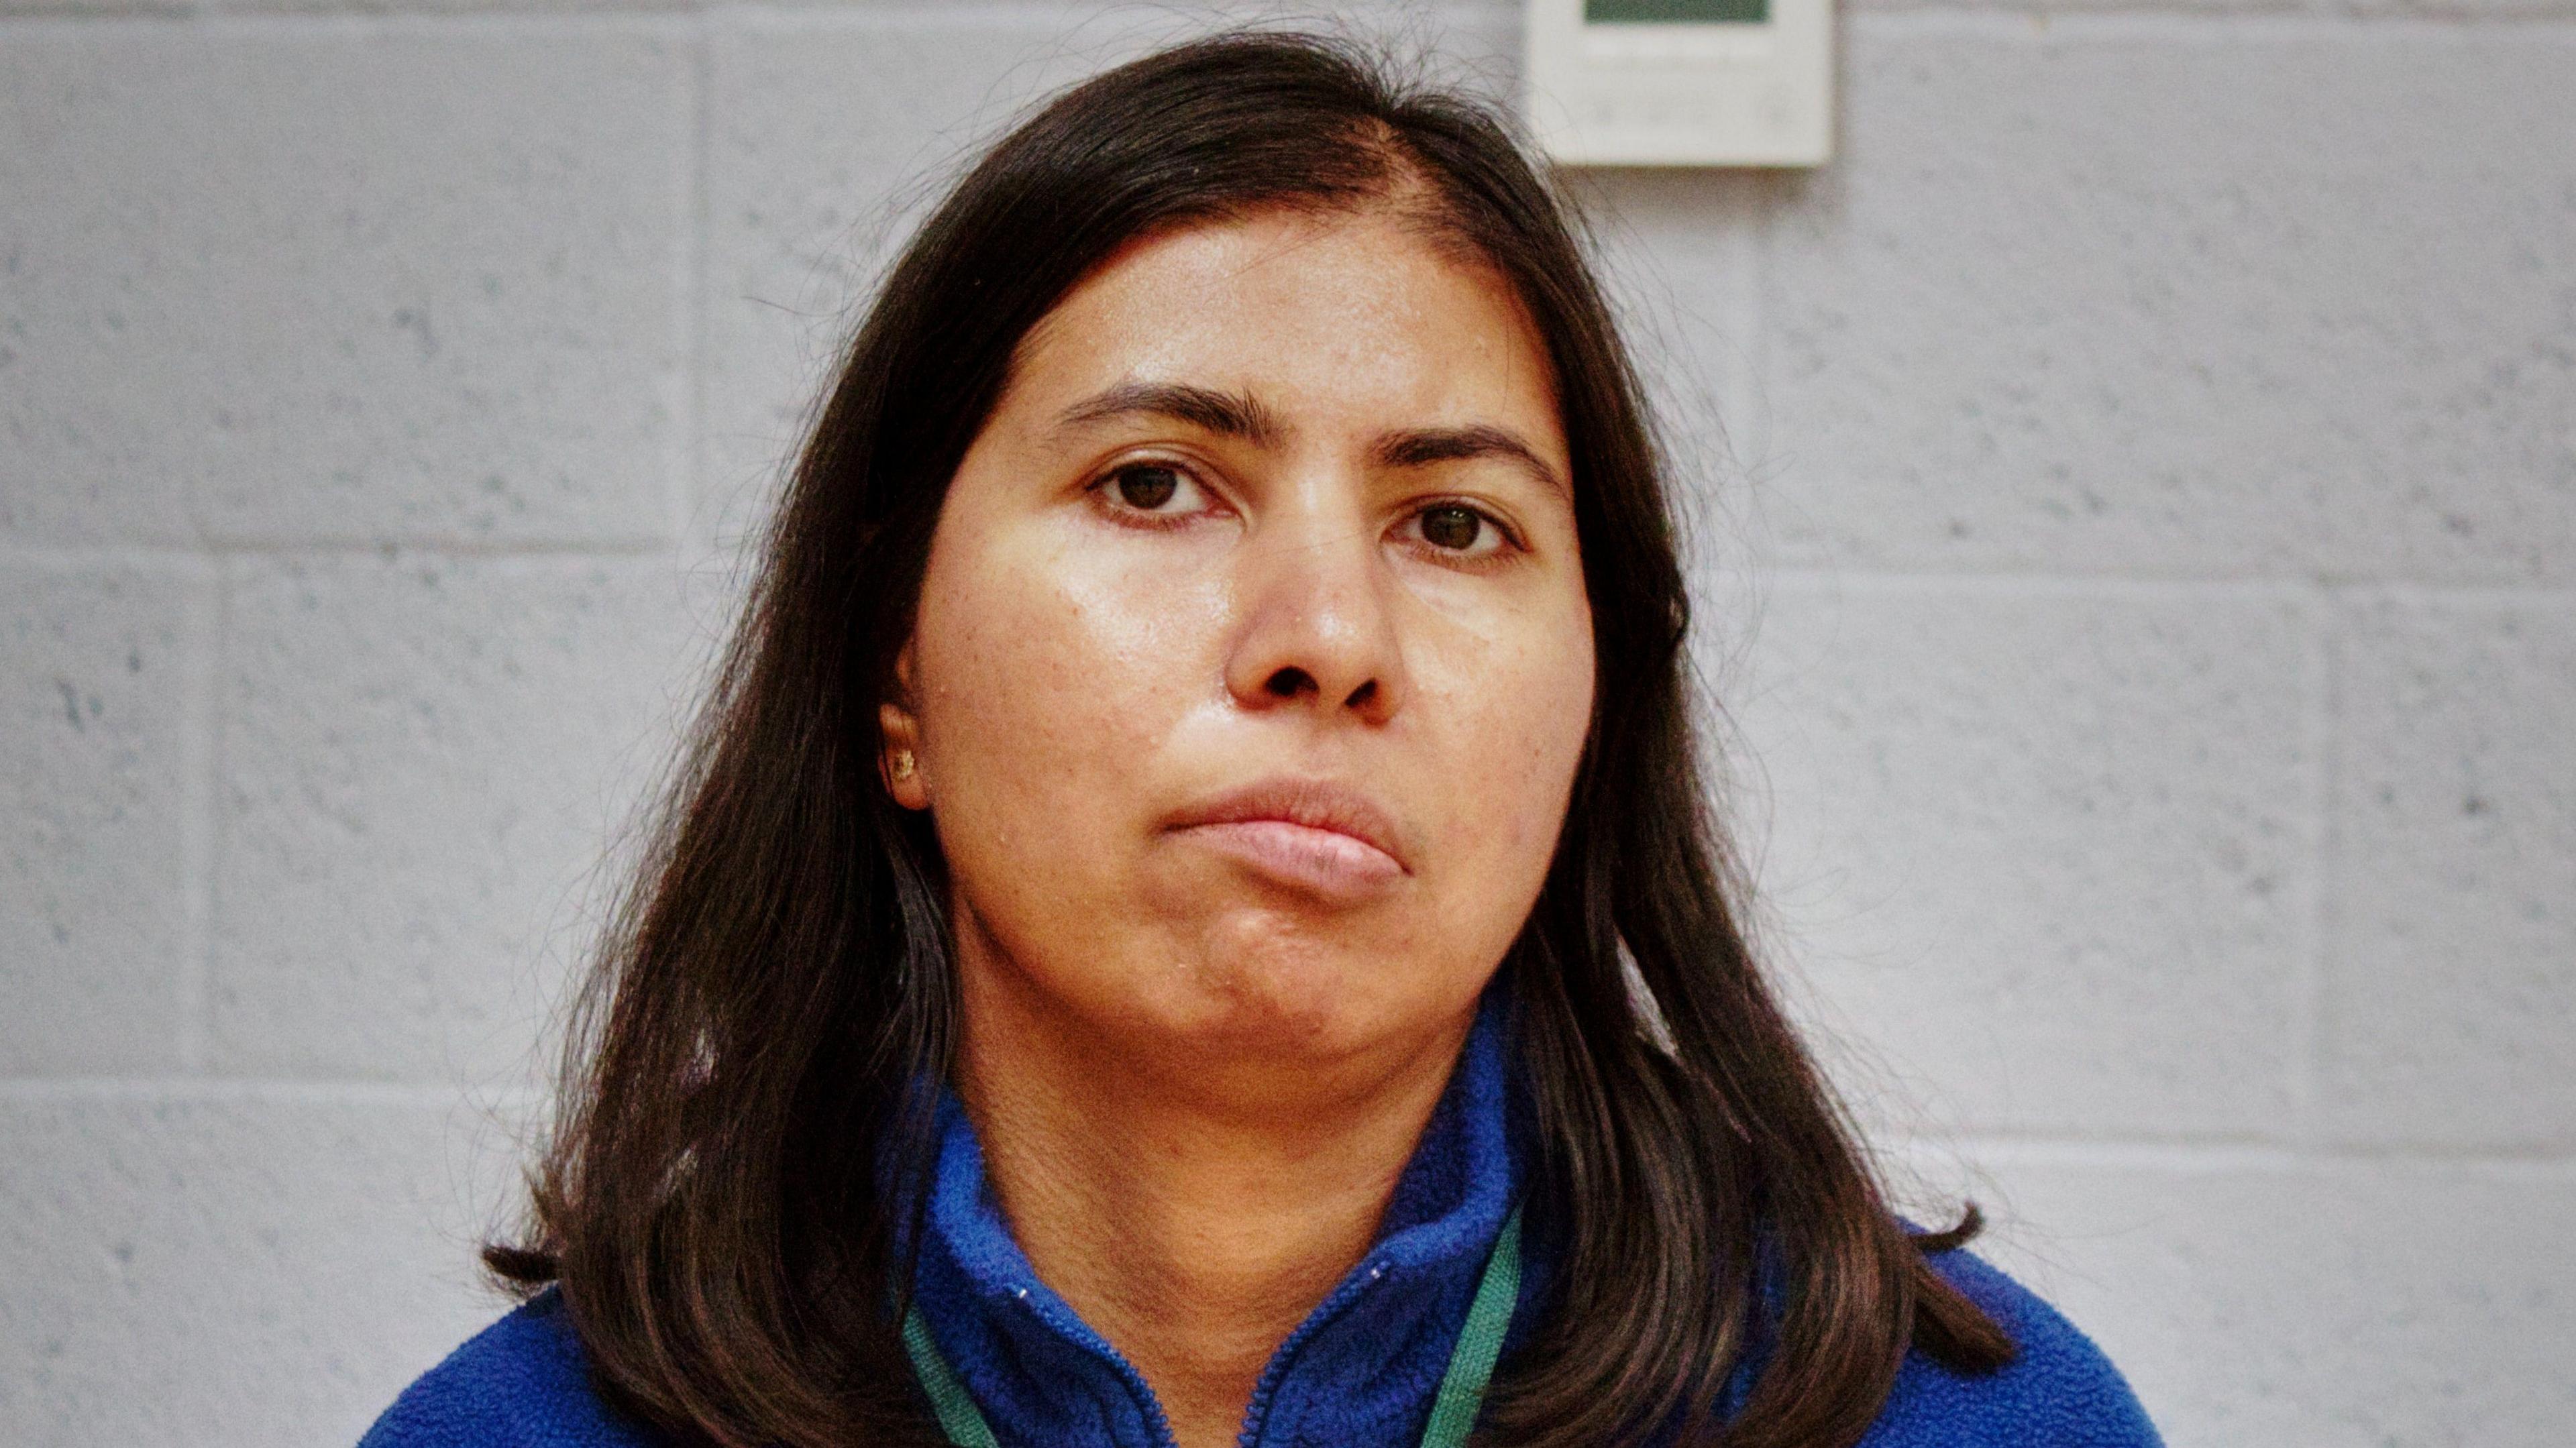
[(1462, 1388)]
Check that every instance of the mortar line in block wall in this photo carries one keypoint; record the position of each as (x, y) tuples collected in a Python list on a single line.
[(98, 15), (279, 549), (2416, 593), (1378, 16), (2183, 22), (2323, 697), (688, 450), (374, 22), (1745, 394), (356, 16), (201, 780), (1993, 1154), (2044, 583), (152, 556), (220, 1090), (2004, 584), (1734, 503)]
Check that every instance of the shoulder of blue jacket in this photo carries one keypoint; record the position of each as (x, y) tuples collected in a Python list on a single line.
[(521, 1383), (2059, 1391)]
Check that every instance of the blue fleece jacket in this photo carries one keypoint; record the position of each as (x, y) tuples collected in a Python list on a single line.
[(1361, 1370)]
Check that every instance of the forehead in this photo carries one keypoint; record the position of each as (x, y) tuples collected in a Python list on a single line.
[(1351, 318)]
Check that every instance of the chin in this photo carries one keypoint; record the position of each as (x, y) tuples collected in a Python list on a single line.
[(1286, 999), (1293, 1009)]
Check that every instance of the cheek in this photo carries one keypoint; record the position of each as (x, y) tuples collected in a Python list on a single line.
[(1521, 708), (1042, 679)]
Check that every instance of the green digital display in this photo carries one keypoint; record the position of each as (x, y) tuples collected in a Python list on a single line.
[(1676, 12)]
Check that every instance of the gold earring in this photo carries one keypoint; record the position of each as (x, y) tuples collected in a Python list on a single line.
[(902, 765)]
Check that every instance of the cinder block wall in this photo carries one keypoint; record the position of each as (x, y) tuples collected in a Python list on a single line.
[(2139, 564)]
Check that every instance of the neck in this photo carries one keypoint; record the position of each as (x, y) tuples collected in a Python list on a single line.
[(1193, 1212)]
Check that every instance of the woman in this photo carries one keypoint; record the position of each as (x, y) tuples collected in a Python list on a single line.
[(1192, 920)]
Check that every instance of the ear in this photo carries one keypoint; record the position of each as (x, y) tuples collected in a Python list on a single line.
[(902, 741)]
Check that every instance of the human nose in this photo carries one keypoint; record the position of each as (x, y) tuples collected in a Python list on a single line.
[(1317, 626)]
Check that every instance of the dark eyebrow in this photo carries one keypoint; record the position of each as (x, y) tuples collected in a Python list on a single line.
[(1231, 414), (1425, 446)]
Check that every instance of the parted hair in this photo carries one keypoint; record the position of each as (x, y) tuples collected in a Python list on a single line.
[(745, 1125)]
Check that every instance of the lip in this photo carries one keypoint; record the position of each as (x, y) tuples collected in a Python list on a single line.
[(1317, 835)]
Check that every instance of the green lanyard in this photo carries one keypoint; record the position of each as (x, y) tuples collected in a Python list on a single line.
[(1462, 1388)]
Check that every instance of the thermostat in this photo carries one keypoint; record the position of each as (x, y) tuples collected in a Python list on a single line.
[(1681, 82)]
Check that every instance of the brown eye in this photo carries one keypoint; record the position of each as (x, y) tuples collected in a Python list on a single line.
[(1147, 487), (1451, 527)]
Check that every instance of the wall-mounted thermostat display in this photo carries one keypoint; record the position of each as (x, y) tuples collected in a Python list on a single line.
[(1681, 82)]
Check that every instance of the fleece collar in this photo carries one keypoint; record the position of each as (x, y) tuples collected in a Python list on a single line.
[(1362, 1369)]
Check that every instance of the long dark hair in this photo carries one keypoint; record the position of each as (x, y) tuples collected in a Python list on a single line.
[(716, 1201)]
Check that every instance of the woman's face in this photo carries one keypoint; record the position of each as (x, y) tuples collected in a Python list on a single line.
[(1253, 659)]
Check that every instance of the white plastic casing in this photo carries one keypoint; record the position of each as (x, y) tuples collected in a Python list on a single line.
[(1729, 93)]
